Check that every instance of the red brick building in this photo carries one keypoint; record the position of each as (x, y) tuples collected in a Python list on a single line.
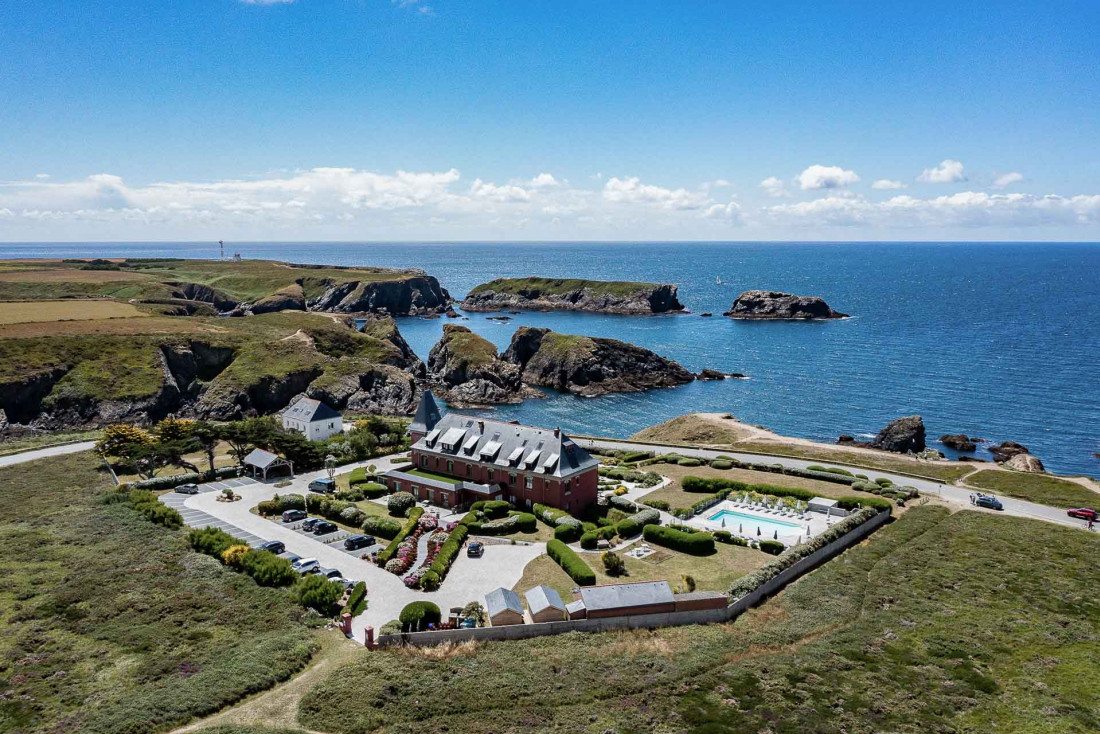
[(458, 459)]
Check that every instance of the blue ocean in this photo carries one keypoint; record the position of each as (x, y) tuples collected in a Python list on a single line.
[(1000, 341)]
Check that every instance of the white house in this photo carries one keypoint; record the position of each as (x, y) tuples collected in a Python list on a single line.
[(313, 419)]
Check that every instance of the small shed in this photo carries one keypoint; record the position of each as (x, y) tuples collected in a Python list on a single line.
[(576, 610), (823, 505), (503, 607), (617, 600), (545, 604), (264, 461), (313, 419)]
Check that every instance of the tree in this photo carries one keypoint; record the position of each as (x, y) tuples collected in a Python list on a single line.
[(175, 439), (613, 563), (476, 611), (330, 466), (134, 448), (207, 435), (317, 592), (237, 436)]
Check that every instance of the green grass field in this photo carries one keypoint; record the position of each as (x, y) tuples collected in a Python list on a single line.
[(938, 622), (113, 624), (1042, 488)]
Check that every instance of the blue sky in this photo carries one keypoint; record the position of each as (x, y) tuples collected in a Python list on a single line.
[(653, 120)]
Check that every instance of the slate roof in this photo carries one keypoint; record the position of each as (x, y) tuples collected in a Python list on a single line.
[(262, 459), (620, 596), (540, 598), (507, 445), (427, 414), (309, 410), (501, 599), (574, 606)]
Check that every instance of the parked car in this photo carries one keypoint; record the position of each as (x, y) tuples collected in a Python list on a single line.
[(330, 573), (292, 557), (355, 542), (306, 565), (989, 502), (1084, 513), (310, 523), (294, 515), (324, 527), (324, 486), (272, 546), (475, 549), (348, 584), (187, 489)]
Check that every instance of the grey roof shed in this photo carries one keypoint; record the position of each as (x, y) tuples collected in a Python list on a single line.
[(544, 604)]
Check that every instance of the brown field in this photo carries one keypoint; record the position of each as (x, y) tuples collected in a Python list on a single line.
[(22, 312), (68, 275)]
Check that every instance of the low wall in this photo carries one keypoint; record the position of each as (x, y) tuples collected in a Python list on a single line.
[(646, 621)]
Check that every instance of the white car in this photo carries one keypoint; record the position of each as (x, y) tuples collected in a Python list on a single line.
[(306, 565)]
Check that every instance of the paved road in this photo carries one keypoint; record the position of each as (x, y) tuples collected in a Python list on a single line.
[(69, 448), (955, 495)]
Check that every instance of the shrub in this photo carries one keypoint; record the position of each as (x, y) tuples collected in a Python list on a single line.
[(410, 524), (613, 564), (210, 541), (721, 464), (620, 491), (381, 527), (883, 482), (400, 503), (318, 593), (525, 521), (693, 543), (622, 503), (632, 525), (418, 615), (232, 555), (491, 508), (356, 598), (570, 562), (656, 504), (352, 516), (174, 480), (722, 536), (267, 569), (429, 581), (689, 462), (589, 541), (503, 526), (448, 551), (280, 503), (392, 627), (772, 547), (568, 533)]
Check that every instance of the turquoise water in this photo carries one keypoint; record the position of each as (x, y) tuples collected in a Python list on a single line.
[(749, 523), (994, 340)]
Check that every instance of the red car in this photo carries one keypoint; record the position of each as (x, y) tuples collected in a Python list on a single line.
[(1084, 513)]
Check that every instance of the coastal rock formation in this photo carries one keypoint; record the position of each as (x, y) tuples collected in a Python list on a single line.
[(1005, 450), (379, 389), (709, 374), (468, 371), (776, 305), (1025, 462), (959, 442), (415, 294), (901, 436), (590, 366), (291, 298), (220, 300), (549, 294)]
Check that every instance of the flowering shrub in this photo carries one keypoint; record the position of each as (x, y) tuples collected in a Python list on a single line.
[(428, 522)]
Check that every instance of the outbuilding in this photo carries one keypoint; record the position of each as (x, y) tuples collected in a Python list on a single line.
[(259, 461), (618, 600), (825, 506), (576, 610), (503, 607), (694, 601), (313, 419), (544, 604)]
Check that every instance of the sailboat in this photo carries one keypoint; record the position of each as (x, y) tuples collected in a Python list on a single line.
[(718, 280)]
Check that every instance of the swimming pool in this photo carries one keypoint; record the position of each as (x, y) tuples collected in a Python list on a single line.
[(746, 523)]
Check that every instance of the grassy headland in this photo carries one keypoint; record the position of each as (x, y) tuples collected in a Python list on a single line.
[(1042, 488), (561, 286)]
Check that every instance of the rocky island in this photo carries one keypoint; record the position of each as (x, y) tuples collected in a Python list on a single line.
[(776, 305), (900, 436), (555, 294), (467, 371), (589, 366)]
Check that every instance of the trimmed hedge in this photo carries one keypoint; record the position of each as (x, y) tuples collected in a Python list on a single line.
[(721, 464), (266, 568), (590, 540), (365, 491), (358, 593), (418, 615), (623, 503), (689, 462), (568, 533), (722, 488), (570, 562), (410, 524), (694, 543), (785, 560), (280, 503), (449, 551), (772, 547), (400, 503), (657, 504), (632, 525), (491, 508), (381, 527), (174, 480)]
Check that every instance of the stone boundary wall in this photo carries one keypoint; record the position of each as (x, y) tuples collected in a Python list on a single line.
[(646, 621)]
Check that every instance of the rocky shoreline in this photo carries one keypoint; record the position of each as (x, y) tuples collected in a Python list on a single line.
[(781, 306)]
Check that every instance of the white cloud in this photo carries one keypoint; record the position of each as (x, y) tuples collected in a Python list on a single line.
[(1007, 179), (885, 184), (506, 193), (825, 177), (773, 186), (42, 176), (632, 191), (543, 180), (948, 171)]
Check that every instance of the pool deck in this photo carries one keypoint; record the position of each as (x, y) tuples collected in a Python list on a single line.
[(810, 523)]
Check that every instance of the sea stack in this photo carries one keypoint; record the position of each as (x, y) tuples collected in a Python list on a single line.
[(781, 306), (467, 370), (570, 294)]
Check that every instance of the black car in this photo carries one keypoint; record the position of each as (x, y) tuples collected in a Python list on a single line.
[(310, 523), (294, 515), (333, 574), (187, 489), (324, 527), (273, 546), (989, 502), (355, 542), (475, 549)]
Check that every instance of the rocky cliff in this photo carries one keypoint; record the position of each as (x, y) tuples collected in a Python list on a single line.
[(776, 305), (589, 366), (467, 371), (416, 294), (900, 436), (543, 294)]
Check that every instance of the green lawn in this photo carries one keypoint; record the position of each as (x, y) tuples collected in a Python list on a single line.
[(113, 624), (1042, 488), (964, 623), (944, 471), (431, 475)]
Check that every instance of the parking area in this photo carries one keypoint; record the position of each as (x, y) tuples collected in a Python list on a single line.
[(199, 519), (333, 540)]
